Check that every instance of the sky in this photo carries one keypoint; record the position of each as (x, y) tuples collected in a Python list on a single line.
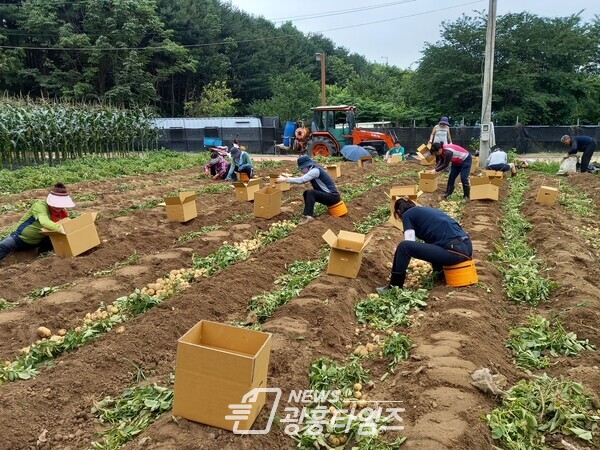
[(395, 32)]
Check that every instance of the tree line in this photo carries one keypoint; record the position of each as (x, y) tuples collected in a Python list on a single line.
[(206, 58)]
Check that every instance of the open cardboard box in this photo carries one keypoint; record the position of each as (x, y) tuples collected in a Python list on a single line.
[(395, 159), (217, 365), (411, 191), (424, 153), (547, 195), (365, 161), (495, 174), (80, 235), (244, 192), (482, 188), (281, 186), (181, 208), (334, 171), (346, 253), (428, 182), (475, 164), (267, 202)]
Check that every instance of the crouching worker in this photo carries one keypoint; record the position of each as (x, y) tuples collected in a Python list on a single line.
[(217, 168), (445, 242), (498, 160), (324, 189), (240, 162), (42, 214), (461, 161)]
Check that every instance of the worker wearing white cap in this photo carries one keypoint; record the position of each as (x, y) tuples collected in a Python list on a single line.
[(42, 214)]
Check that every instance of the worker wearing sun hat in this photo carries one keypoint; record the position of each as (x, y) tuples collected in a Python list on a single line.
[(42, 214), (240, 162), (324, 189), (584, 144), (441, 132)]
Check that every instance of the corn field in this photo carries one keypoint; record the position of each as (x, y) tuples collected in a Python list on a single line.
[(38, 132)]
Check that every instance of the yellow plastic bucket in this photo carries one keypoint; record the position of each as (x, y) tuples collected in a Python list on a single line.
[(244, 177), (463, 274), (339, 209)]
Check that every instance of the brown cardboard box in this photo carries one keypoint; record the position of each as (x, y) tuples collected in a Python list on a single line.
[(217, 365), (346, 256), (334, 171), (412, 192), (181, 208), (483, 189), (80, 235), (547, 195), (428, 182), (424, 151), (494, 174), (281, 186), (395, 159), (244, 192), (475, 165), (365, 161), (267, 202)]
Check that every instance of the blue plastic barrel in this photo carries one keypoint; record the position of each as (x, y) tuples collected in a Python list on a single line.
[(288, 133)]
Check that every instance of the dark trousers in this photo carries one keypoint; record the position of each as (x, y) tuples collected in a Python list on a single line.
[(311, 197), (437, 255), (587, 156), (464, 169), (14, 243)]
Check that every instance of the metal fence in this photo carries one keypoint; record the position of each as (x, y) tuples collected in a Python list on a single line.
[(525, 139)]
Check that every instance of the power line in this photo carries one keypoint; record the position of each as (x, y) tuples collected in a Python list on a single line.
[(162, 47)]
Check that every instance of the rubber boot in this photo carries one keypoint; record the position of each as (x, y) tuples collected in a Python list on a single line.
[(397, 279), (449, 191), (467, 193)]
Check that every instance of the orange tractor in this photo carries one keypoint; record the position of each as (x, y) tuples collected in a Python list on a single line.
[(335, 126)]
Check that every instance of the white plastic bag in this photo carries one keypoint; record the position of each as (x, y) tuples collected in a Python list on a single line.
[(569, 165)]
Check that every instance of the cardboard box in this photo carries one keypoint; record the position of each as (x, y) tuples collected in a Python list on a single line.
[(80, 235), (483, 189), (267, 202), (475, 165), (181, 208), (217, 365), (281, 186), (334, 171), (494, 174), (244, 192), (412, 192), (365, 161), (395, 159), (547, 195), (428, 185), (346, 252), (424, 151)]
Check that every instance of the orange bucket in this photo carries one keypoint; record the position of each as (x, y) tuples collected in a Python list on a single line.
[(463, 274), (244, 177), (339, 209)]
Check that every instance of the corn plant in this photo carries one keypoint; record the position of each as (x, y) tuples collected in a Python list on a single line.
[(42, 131)]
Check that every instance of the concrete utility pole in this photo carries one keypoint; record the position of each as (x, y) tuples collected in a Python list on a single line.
[(488, 81), (321, 57)]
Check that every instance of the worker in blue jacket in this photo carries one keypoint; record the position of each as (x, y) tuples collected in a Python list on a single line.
[(324, 189), (445, 243), (584, 144)]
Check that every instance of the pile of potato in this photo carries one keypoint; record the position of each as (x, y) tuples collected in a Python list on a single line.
[(450, 208), (248, 245), (418, 271), (176, 280), (591, 235), (284, 224)]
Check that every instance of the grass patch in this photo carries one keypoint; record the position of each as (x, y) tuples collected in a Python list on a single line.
[(575, 201), (521, 270), (531, 342), (549, 168), (130, 414), (532, 410), (5, 304), (196, 234), (397, 346), (133, 258), (391, 308)]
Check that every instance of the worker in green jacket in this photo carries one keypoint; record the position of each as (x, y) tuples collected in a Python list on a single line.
[(42, 214), (240, 162)]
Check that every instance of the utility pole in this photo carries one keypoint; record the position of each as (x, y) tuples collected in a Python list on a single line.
[(488, 81), (321, 57)]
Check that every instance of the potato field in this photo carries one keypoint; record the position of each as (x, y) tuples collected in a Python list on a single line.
[(103, 375)]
